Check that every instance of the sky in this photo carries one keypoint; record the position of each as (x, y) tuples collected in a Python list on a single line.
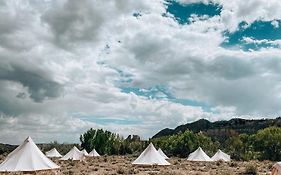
[(135, 66)]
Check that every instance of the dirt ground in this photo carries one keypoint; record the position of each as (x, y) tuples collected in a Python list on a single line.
[(114, 165)]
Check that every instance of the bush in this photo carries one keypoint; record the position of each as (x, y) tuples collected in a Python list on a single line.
[(182, 144), (106, 142), (176, 162), (267, 142), (233, 164), (219, 162), (264, 145), (251, 170), (120, 171)]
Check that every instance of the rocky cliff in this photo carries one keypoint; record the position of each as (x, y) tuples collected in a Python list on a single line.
[(222, 129)]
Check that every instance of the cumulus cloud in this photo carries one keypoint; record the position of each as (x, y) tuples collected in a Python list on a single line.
[(235, 12), (275, 24), (72, 21), (83, 21), (42, 128), (250, 40), (64, 63), (191, 62), (39, 85)]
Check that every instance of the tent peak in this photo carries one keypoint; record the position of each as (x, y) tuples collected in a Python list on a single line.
[(29, 139), (162, 153), (199, 155), (73, 154), (27, 157), (53, 153), (94, 153), (150, 156), (220, 155)]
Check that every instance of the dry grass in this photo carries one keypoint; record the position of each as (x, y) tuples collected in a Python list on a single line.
[(116, 165)]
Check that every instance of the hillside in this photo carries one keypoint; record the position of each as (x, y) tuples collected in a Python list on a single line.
[(222, 129), (6, 148)]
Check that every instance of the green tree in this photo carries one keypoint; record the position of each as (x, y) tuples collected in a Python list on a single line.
[(235, 147), (182, 144), (248, 151), (268, 143), (206, 143), (104, 142)]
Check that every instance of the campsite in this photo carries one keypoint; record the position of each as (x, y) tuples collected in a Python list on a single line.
[(103, 152), (28, 159), (145, 87), (113, 165)]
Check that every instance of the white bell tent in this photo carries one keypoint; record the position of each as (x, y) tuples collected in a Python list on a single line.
[(85, 152), (94, 153), (27, 157), (221, 156), (53, 153), (150, 156), (162, 153), (276, 169), (199, 155), (73, 154)]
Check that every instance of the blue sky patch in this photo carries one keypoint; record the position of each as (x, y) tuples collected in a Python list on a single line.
[(157, 92), (188, 102), (182, 12), (259, 30), (124, 76), (161, 92)]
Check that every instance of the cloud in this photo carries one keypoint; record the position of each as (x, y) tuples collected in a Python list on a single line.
[(275, 24), (235, 12), (82, 21), (39, 85), (74, 21), (42, 128), (249, 40), (190, 61), (64, 67)]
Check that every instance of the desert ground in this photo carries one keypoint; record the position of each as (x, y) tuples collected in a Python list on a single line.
[(114, 165)]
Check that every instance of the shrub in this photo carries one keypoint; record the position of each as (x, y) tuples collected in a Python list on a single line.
[(233, 164), (219, 162), (251, 170), (120, 171)]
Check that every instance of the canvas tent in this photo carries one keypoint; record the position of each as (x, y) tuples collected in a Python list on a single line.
[(150, 156), (199, 155), (94, 153), (162, 153), (53, 153), (276, 169), (73, 154), (85, 152), (221, 156), (27, 157)]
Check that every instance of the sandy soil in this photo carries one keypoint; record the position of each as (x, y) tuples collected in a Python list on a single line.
[(114, 165)]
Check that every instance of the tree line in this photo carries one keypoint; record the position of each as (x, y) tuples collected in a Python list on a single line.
[(106, 142), (264, 145)]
